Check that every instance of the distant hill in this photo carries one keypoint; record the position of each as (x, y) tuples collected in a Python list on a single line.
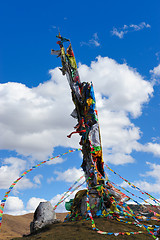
[(17, 226)]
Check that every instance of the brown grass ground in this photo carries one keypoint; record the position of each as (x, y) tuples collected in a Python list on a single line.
[(82, 230), (17, 226)]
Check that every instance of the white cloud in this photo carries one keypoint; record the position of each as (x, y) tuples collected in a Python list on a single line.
[(38, 120), (55, 161), (118, 86), (153, 148), (14, 206), (37, 179), (61, 207), (129, 28), (120, 91), (140, 26), (10, 170), (156, 139), (148, 187), (155, 171), (118, 33), (70, 175), (124, 184), (152, 185), (118, 158), (92, 42), (33, 203), (155, 72)]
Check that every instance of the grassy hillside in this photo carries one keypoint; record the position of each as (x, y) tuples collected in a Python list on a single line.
[(17, 226), (14, 227), (82, 230)]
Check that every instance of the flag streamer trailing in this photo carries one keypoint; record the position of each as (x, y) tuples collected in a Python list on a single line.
[(68, 193), (135, 187), (23, 174), (108, 233), (132, 195), (74, 187), (122, 207)]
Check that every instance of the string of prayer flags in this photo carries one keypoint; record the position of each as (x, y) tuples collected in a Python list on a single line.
[(135, 187), (23, 174)]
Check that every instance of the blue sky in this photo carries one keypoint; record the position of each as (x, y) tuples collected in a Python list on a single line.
[(116, 44)]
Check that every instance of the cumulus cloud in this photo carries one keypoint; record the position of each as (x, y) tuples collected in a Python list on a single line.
[(94, 41), (149, 183), (38, 120), (70, 175), (156, 139), (120, 92), (150, 147), (155, 73), (118, 158), (61, 207), (120, 32), (35, 118), (56, 199), (14, 206), (10, 170), (33, 203), (148, 187), (145, 185), (155, 170), (118, 86)]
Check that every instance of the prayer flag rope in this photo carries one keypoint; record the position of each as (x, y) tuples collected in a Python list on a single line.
[(134, 196), (135, 187), (156, 214), (137, 223), (133, 215), (102, 232), (23, 174), (63, 198), (92, 220)]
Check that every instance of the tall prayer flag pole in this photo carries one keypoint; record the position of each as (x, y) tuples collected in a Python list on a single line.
[(86, 114)]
